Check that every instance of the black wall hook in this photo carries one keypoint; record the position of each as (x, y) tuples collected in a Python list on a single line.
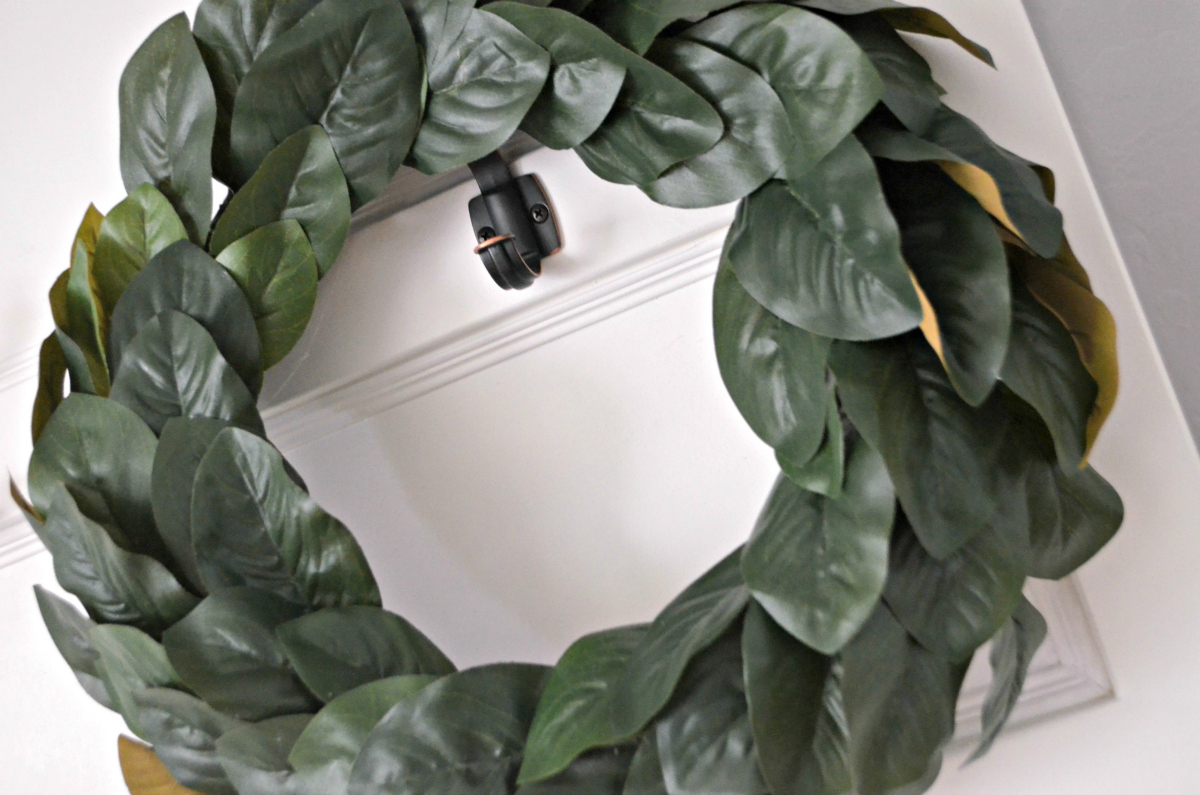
[(513, 222)]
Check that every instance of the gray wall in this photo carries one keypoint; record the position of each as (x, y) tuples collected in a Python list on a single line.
[(1128, 72)]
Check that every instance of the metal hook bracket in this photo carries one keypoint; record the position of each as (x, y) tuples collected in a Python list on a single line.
[(513, 222)]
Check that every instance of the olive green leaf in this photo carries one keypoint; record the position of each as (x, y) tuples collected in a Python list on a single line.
[(645, 775), (704, 737), (818, 565), (70, 631), (599, 772), (172, 368), (826, 83), (463, 733), (823, 252), (942, 455), (824, 473), (130, 662), (52, 369), (785, 688), (352, 67), (325, 752), (299, 179), (899, 701), (184, 732), (251, 525), (956, 255), (756, 138), (909, 90), (276, 270), (479, 90), (635, 25), (1012, 652), (142, 225), (339, 648), (254, 756), (226, 653), (906, 18), (168, 113), (587, 70), (184, 278), (774, 371), (79, 314), (573, 714)]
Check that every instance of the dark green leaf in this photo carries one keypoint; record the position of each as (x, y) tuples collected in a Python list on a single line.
[(636, 24), (1012, 652), (184, 278), (574, 713), (69, 629), (130, 662), (756, 138), (251, 525), (462, 734), (437, 24), (351, 66), (599, 772), (645, 775), (81, 309), (276, 270), (906, 18), (825, 471), (255, 756), (184, 731), (52, 370), (818, 565), (226, 652), (299, 179), (139, 227), (168, 113), (79, 365), (909, 90), (1072, 514)]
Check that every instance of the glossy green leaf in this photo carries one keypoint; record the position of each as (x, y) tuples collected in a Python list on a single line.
[(1012, 652), (941, 454), (826, 83), (70, 630), (183, 277), (324, 754), (755, 141), (299, 179), (823, 253), (479, 91), (824, 473), (255, 756), (955, 253), (774, 371), (168, 113), (635, 25), (906, 18), (130, 662), (251, 525), (437, 24), (573, 714), (340, 648), (276, 270), (352, 67), (645, 775), (909, 90), (142, 225), (818, 565), (599, 772), (587, 70), (685, 627), (226, 652), (52, 370), (184, 731), (461, 734), (172, 368)]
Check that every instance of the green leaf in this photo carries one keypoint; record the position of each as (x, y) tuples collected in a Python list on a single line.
[(79, 366), (645, 775), (299, 179), (437, 24), (183, 277), (251, 525), (172, 368), (168, 114), (685, 627), (1012, 652), (587, 70), (785, 688), (142, 225), (351, 66), (80, 315), (906, 18), (573, 714), (909, 90), (824, 472), (184, 732), (774, 371), (635, 25), (818, 565), (255, 757), (70, 631), (756, 138), (462, 734), (340, 648), (899, 700), (826, 83), (599, 772), (226, 652), (956, 255), (130, 662), (823, 252), (277, 271), (324, 754), (941, 454), (52, 369), (480, 88)]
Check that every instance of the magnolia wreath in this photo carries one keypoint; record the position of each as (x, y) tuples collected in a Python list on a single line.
[(896, 313)]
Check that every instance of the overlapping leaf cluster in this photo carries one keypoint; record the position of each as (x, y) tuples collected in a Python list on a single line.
[(896, 314)]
